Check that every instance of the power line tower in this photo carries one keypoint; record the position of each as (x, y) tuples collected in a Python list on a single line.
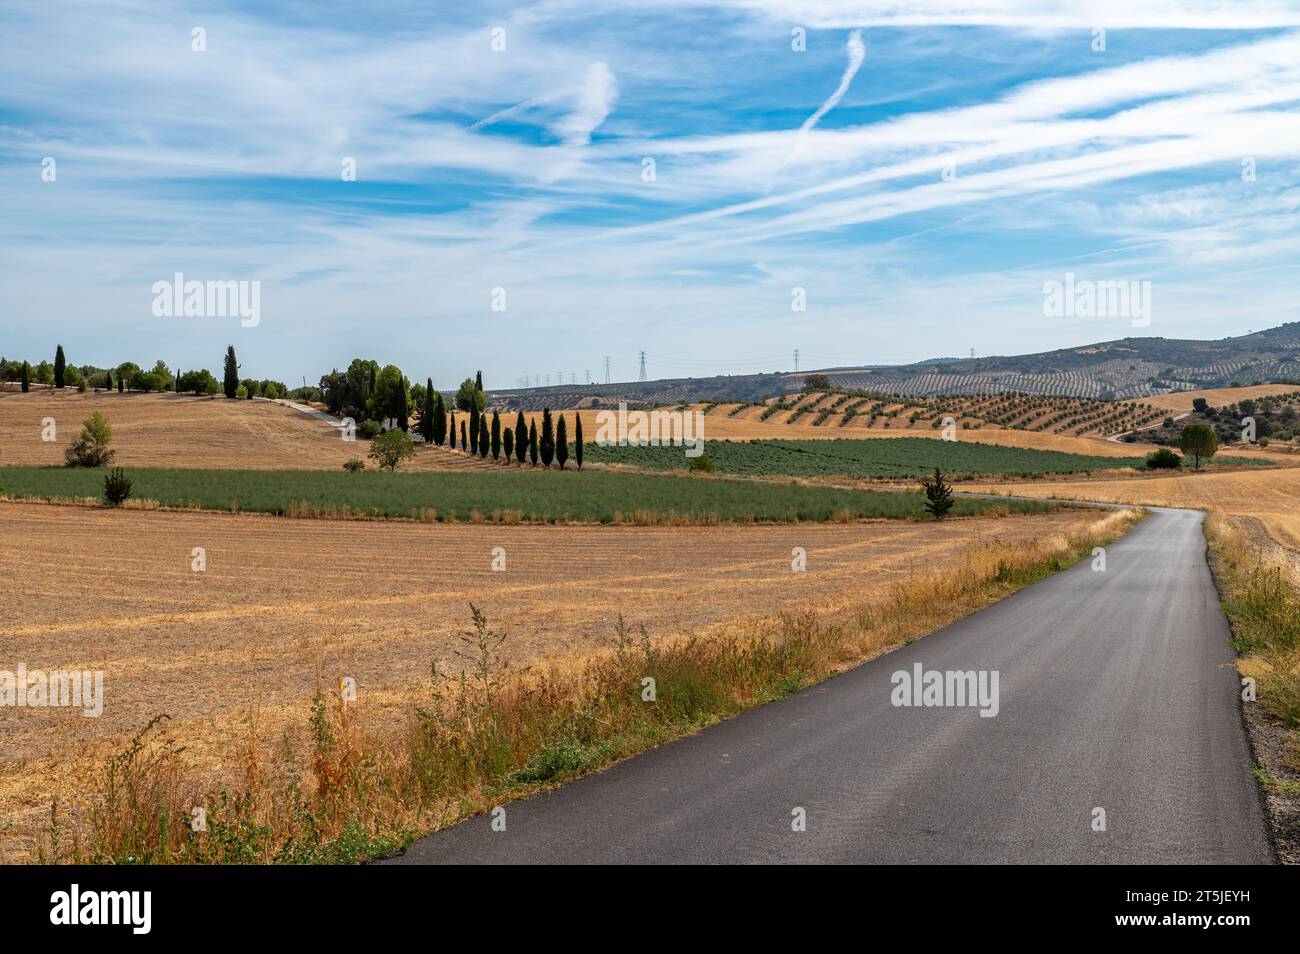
[(588, 373), (796, 359), (641, 374), (607, 369)]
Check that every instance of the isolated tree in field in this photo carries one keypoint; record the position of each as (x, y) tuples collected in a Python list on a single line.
[(547, 443), (482, 435), (508, 441), (1200, 405), (577, 439), (390, 448), (816, 382), (230, 382), (496, 437), (25, 378), (60, 366), (439, 420), (426, 417), (91, 449), (938, 495), (561, 442), (473, 430), (117, 487), (464, 444), (532, 443), (1199, 441), (521, 436)]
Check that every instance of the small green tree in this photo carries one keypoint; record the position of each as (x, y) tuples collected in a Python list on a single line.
[(121, 384), (508, 442), (496, 437), (1163, 459), (60, 366), (938, 495), (1199, 441), (561, 442), (91, 449), (390, 448), (230, 382), (532, 443), (469, 394), (577, 439), (521, 437), (547, 443), (482, 435), (117, 486)]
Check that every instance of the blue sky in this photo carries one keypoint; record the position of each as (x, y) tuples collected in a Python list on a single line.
[(522, 169)]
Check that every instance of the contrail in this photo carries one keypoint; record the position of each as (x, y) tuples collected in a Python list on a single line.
[(857, 53)]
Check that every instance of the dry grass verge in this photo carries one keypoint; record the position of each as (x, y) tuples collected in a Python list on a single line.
[(493, 733), (1262, 599)]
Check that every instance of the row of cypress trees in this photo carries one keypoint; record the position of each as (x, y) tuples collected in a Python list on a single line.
[(523, 442)]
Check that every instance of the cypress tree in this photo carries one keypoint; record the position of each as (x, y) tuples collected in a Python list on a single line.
[(426, 419), (25, 378), (464, 445), (577, 439), (403, 408), (521, 435), (451, 434), (482, 435), (231, 380), (508, 439), (121, 385), (496, 436), (60, 366), (561, 442), (478, 380), (473, 429), (532, 443), (439, 421), (547, 444)]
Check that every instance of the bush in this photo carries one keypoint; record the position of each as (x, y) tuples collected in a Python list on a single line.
[(117, 486), (91, 449), (354, 466), (1163, 459), (369, 429), (702, 464), (390, 449)]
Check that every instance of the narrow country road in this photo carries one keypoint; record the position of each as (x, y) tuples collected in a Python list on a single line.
[(1117, 692)]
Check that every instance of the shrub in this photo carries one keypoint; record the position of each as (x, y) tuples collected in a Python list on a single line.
[(354, 466), (938, 494), (388, 450), (117, 486), (368, 430), (91, 448), (1163, 459), (702, 464)]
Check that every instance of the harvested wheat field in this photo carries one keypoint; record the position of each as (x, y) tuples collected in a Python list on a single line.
[(235, 652), (1268, 499), (1217, 397), (169, 430)]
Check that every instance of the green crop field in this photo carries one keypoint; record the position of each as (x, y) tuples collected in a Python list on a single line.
[(894, 457), (536, 496)]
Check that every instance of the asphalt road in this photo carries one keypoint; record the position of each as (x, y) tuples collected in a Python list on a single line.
[(1116, 691)]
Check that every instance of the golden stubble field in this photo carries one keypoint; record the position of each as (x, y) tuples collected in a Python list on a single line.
[(1264, 499), (169, 430), (236, 651)]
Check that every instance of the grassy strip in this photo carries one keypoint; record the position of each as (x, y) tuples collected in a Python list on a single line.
[(488, 497), (492, 734), (899, 457), (1263, 605)]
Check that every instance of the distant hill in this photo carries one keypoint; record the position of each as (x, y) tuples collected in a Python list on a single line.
[(1124, 368)]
